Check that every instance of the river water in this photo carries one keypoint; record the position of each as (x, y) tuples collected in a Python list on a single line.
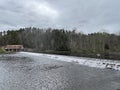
[(29, 72)]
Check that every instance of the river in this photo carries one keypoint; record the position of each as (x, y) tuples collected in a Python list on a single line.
[(20, 71)]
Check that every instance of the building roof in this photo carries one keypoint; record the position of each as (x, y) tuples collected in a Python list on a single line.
[(14, 47)]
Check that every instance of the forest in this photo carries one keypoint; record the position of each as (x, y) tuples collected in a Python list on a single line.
[(60, 41)]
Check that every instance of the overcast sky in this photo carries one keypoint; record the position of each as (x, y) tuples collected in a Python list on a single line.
[(85, 15)]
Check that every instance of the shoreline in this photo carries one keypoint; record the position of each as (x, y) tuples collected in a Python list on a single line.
[(91, 62), (88, 55)]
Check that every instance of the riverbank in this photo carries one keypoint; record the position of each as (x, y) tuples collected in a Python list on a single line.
[(111, 55), (2, 51)]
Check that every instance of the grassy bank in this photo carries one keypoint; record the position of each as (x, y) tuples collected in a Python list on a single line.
[(2, 51), (94, 55)]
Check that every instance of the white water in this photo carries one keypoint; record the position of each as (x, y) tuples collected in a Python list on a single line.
[(91, 62)]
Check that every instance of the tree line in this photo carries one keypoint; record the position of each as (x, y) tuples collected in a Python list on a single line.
[(62, 41)]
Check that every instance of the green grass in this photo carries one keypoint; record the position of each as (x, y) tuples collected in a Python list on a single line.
[(2, 51)]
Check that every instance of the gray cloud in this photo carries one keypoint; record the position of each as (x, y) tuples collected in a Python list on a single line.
[(86, 15)]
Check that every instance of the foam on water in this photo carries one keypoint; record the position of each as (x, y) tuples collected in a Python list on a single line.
[(91, 62)]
